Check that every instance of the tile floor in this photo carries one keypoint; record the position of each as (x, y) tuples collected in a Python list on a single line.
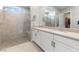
[(18, 44), (24, 47), (12, 42)]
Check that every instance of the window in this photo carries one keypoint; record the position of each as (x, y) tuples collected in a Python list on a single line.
[(15, 9)]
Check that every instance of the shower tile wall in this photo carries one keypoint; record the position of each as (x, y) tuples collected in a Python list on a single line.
[(11, 27)]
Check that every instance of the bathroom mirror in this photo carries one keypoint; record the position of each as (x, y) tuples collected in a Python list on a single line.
[(50, 18), (60, 16)]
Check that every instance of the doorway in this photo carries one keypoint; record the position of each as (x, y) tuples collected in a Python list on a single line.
[(67, 19)]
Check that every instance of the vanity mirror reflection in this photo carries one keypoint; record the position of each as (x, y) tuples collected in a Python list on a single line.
[(65, 20), (61, 17), (50, 17), (57, 16)]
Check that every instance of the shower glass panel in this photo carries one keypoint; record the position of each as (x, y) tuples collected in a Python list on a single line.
[(14, 25), (17, 19)]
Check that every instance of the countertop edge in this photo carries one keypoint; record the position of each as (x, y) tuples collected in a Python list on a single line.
[(72, 38)]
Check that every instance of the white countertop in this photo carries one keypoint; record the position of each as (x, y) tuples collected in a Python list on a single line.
[(72, 35)]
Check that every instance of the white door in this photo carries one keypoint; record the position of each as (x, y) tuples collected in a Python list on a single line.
[(45, 41), (62, 47), (35, 36), (59, 47)]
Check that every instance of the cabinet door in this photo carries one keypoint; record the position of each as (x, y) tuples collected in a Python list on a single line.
[(45, 41), (35, 36), (61, 47)]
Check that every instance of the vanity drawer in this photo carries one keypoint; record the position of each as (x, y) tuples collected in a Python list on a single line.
[(67, 41), (46, 34)]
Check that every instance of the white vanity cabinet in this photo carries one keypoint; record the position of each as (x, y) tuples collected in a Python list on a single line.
[(61, 44), (35, 36), (61, 47), (46, 41), (43, 39), (53, 42)]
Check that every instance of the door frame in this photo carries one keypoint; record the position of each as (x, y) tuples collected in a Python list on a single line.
[(70, 17)]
